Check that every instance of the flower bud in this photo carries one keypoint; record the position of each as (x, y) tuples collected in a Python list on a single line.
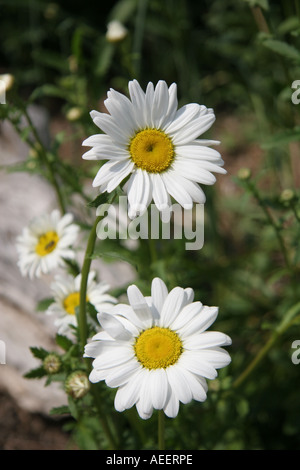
[(52, 363), (77, 384), (116, 31), (287, 195), (244, 174), (73, 114), (6, 82)]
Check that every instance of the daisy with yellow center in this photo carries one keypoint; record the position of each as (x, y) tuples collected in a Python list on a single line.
[(156, 350), (45, 243), (66, 293), (156, 145)]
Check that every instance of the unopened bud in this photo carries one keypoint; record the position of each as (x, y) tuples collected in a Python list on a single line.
[(77, 384), (244, 174), (287, 195), (73, 114), (116, 31), (52, 363)]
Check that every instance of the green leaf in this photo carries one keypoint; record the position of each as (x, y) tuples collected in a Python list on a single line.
[(64, 342), (115, 256), (39, 353), (47, 90), (37, 373), (60, 410), (282, 48), (283, 138), (44, 304), (100, 199), (73, 408)]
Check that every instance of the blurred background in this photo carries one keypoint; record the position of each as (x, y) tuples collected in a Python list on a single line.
[(240, 57)]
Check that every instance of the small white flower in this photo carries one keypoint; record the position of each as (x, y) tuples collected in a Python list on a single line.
[(155, 144), (157, 350), (66, 293), (6, 82), (116, 31), (45, 243)]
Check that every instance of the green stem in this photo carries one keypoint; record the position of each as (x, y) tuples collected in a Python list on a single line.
[(286, 322), (103, 419), (82, 324), (161, 430), (45, 160), (272, 222), (82, 321)]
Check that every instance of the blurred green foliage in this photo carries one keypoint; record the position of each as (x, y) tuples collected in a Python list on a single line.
[(239, 57)]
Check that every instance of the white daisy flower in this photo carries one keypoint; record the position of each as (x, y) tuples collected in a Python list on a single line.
[(157, 350), (155, 143), (66, 293), (45, 243)]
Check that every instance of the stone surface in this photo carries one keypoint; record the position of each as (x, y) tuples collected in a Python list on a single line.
[(23, 196)]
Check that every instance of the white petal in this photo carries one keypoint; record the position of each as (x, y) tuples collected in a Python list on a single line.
[(96, 140), (161, 196), (182, 117), (139, 305), (128, 394), (120, 375), (106, 123), (149, 103), (97, 375), (113, 356), (193, 171), (193, 129), (160, 103), (139, 193), (138, 101), (173, 304), (186, 315), (204, 369), (172, 108), (175, 189), (158, 384), (178, 384), (217, 357), (144, 405), (120, 175), (199, 323), (120, 108), (172, 406), (114, 327), (109, 170), (159, 293)]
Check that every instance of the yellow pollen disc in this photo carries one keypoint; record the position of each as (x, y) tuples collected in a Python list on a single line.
[(152, 150), (158, 348), (71, 302), (47, 243)]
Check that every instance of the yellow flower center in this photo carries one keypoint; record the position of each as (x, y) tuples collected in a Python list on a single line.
[(71, 302), (152, 150), (158, 348), (47, 243)]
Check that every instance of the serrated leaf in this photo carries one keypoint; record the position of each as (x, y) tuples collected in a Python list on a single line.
[(64, 342), (39, 353), (35, 373)]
